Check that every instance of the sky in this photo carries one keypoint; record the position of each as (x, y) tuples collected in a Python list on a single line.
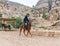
[(29, 3)]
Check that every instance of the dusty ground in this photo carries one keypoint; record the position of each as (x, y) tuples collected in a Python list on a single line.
[(12, 38)]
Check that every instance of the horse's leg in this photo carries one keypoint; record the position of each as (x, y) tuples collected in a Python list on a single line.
[(2, 28), (24, 31), (21, 27), (29, 33), (20, 30), (9, 27)]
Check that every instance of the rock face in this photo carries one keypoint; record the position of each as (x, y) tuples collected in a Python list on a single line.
[(53, 15), (41, 3), (45, 4), (8, 9)]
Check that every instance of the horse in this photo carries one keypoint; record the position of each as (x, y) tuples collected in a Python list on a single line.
[(24, 29), (4, 26)]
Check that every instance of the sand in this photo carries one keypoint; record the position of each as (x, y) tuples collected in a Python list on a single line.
[(12, 38)]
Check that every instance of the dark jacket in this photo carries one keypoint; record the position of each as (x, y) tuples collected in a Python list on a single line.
[(26, 22), (26, 19)]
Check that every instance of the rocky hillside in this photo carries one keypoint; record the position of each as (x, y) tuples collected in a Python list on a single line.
[(8, 9), (45, 3)]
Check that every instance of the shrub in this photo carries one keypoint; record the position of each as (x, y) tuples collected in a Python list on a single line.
[(44, 15), (0, 24), (18, 21), (0, 15)]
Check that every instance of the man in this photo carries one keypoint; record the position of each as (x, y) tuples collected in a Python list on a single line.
[(26, 20)]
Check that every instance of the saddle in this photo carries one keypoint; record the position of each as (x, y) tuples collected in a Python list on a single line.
[(26, 25)]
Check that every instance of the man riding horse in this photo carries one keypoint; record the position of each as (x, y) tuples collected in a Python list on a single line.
[(26, 25), (26, 20)]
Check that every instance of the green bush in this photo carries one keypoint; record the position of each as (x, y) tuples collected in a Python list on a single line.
[(12, 23), (44, 15), (0, 24), (18, 21), (0, 15)]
